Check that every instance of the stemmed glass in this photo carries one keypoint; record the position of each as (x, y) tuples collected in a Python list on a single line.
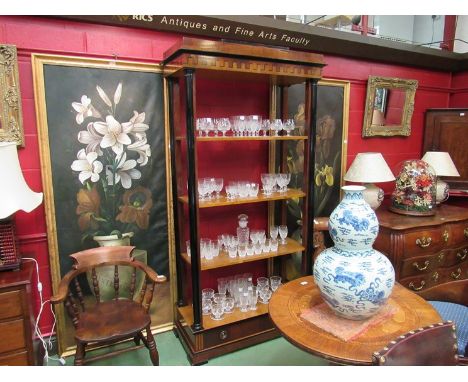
[(265, 127), (268, 181), (202, 188), (277, 126), (218, 186), (273, 232), (223, 125), (283, 232), (289, 126)]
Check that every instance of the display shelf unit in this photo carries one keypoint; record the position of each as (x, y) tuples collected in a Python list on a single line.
[(189, 63)]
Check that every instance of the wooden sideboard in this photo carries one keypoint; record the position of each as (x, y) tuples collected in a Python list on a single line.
[(429, 254), (16, 319)]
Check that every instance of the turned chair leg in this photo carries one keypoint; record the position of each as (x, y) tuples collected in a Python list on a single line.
[(152, 347), (80, 353)]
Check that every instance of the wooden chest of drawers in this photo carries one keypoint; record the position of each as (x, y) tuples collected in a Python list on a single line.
[(16, 320), (429, 254)]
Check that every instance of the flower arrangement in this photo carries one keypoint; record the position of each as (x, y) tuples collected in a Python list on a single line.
[(415, 187), (110, 202)]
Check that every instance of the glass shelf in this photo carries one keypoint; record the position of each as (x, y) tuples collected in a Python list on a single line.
[(223, 201), (223, 259)]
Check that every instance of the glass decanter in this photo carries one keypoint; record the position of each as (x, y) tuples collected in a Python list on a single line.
[(243, 231)]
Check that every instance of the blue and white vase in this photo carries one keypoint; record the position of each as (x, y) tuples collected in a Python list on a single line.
[(354, 279)]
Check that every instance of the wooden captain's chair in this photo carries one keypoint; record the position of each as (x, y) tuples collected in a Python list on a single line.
[(99, 322)]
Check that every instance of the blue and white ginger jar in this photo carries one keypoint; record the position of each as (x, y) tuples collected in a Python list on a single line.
[(354, 279)]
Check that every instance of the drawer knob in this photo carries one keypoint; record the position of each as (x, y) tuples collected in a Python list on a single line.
[(457, 275), (462, 256), (419, 267), (435, 276), (413, 287), (223, 335), (445, 236), (440, 257), (424, 241)]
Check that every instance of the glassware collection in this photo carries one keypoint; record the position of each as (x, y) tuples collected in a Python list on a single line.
[(238, 292), (210, 188), (244, 126), (247, 242)]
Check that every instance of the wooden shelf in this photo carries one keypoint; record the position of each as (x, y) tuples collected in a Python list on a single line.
[(187, 313), (223, 259), (223, 201), (238, 139)]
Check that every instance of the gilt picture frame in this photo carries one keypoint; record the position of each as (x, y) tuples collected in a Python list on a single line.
[(11, 116), (101, 126), (378, 103)]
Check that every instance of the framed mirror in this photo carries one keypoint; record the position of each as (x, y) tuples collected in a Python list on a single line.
[(11, 120), (389, 106)]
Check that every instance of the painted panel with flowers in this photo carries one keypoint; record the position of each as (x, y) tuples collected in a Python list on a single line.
[(106, 136), (330, 153)]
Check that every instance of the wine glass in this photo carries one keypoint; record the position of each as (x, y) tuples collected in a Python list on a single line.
[(277, 126), (209, 126), (199, 128), (273, 231), (265, 127), (283, 232), (289, 126), (223, 125), (219, 182)]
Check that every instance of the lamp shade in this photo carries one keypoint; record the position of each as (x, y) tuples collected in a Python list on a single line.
[(369, 168), (15, 194), (441, 162)]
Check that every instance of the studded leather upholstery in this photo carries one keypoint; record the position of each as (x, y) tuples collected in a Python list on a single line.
[(432, 345)]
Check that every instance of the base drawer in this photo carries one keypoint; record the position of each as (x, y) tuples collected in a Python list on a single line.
[(12, 335), (238, 330), (16, 359), (10, 304)]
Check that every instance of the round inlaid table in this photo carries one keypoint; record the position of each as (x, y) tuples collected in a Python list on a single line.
[(288, 302)]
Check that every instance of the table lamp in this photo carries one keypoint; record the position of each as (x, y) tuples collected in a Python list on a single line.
[(15, 195), (370, 168), (443, 166)]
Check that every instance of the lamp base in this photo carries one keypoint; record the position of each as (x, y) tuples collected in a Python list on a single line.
[(373, 195), (9, 254), (442, 191)]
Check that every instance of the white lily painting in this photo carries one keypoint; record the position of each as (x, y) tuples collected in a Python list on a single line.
[(108, 166)]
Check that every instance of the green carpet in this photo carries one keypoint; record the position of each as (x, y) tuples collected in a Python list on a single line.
[(277, 352)]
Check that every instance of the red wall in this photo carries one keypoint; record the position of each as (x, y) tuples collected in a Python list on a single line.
[(459, 97), (31, 34)]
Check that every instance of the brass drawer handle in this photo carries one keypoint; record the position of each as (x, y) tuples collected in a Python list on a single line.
[(421, 268), (457, 275), (462, 257), (445, 235), (435, 276), (424, 242), (411, 285), (440, 257), (223, 335)]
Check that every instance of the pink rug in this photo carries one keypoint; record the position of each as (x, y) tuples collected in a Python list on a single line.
[(322, 315)]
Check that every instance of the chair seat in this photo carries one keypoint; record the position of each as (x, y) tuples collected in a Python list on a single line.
[(111, 320), (458, 314)]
